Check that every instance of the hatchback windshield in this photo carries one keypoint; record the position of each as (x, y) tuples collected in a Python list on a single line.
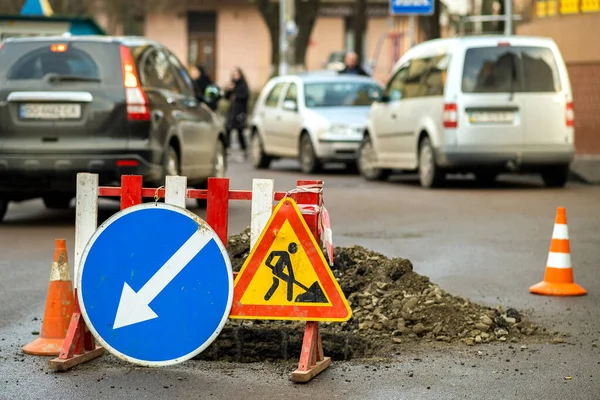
[(340, 94), (510, 69)]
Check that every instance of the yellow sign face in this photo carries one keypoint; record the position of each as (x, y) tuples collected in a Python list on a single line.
[(286, 276), (541, 8), (590, 5), (552, 7), (569, 6)]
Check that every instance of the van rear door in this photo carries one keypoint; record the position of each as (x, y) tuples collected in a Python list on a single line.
[(546, 96), (65, 95), (490, 106)]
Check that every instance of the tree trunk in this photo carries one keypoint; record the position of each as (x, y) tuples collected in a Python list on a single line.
[(270, 14), (487, 9), (430, 24), (360, 25), (501, 24), (306, 15)]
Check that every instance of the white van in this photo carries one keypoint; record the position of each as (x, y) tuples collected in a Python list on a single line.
[(484, 105)]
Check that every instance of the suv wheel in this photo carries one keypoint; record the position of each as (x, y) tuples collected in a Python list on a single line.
[(556, 176), (57, 201), (366, 162), (219, 162), (219, 169), (430, 175), (171, 163), (257, 153), (309, 163), (3, 208)]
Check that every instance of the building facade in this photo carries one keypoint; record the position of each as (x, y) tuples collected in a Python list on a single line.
[(223, 34)]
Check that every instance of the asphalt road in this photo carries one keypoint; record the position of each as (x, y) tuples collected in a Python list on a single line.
[(487, 244)]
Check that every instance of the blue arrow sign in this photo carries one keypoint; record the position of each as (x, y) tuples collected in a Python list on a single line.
[(411, 7), (155, 284)]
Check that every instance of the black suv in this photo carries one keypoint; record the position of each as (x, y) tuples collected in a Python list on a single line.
[(107, 105)]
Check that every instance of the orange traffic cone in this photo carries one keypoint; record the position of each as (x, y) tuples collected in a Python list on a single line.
[(59, 307), (558, 279)]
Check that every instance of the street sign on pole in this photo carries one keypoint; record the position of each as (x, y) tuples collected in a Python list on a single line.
[(155, 284), (411, 7)]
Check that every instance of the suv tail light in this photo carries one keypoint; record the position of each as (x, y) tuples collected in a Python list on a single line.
[(137, 102), (450, 116), (570, 115)]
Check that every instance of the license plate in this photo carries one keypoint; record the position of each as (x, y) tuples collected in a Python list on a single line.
[(486, 117), (50, 111)]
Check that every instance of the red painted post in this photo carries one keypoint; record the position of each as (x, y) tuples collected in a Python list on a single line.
[(312, 359), (217, 206), (131, 190)]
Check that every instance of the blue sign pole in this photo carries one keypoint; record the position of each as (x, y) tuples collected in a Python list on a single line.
[(411, 8), (155, 284)]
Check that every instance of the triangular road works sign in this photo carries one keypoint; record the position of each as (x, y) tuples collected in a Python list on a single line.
[(286, 276)]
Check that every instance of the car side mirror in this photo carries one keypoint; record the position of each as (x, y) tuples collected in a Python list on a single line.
[(290, 105)]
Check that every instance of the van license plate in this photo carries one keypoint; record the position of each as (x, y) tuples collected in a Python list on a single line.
[(486, 117), (50, 111)]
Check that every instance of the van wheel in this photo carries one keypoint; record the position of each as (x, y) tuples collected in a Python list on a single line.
[(3, 208), (309, 163), (57, 201), (430, 175), (257, 153), (556, 176), (366, 162)]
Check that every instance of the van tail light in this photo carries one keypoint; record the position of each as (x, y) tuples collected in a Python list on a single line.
[(450, 116), (570, 115), (137, 102)]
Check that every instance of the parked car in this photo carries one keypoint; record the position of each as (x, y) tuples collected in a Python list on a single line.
[(316, 118), (482, 105), (107, 105)]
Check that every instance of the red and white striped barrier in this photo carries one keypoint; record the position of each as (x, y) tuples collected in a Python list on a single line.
[(79, 346)]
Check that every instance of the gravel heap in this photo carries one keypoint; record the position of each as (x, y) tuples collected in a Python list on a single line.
[(392, 306)]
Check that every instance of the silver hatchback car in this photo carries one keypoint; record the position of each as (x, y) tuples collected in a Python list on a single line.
[(316, 118)]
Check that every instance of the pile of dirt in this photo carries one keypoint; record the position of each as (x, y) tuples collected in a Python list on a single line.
[(392, 306)]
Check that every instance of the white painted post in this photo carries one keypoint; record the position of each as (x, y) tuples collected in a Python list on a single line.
[(176, 190), (262, 207), (86, 216)]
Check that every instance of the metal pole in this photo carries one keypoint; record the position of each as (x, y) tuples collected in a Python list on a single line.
[(411, 29), (283, 45), (508, 14)]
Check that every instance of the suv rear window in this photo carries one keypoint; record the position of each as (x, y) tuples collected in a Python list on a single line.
[(36, 59), (510, 69)]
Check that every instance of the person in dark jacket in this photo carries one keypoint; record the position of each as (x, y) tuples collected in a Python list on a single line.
[(352, 66), (201, 80), (238, 95)]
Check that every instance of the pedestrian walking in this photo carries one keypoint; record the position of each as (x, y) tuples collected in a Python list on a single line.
[(238, 95), (352, 66), (201, 80)]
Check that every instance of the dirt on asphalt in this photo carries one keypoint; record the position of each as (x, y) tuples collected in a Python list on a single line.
[(392, 306)]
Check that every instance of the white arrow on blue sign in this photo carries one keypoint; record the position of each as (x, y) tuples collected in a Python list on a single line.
[(155, 284), (411, 7)]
